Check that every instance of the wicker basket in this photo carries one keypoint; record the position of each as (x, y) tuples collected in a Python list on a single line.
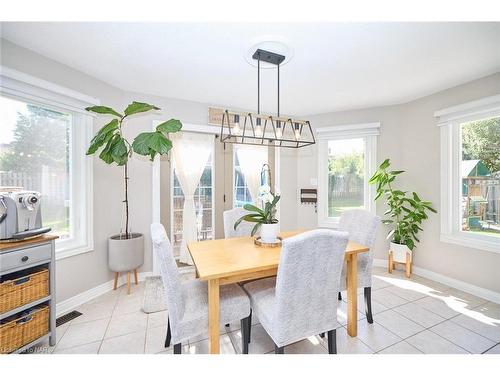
[(25, 288), (24, 329)]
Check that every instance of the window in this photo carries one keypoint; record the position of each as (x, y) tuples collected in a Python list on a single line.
[(248, 161), (470, 195), (44, 137), (347, 159), (204, 207)]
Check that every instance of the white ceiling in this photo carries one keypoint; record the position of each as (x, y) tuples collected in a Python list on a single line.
[(335, 66)]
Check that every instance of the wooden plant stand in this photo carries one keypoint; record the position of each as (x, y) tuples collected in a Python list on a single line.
[(117, 274), (407, 264)]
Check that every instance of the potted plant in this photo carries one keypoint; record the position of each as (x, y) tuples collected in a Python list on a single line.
[(265, 218), (126, 249), (405, 212)]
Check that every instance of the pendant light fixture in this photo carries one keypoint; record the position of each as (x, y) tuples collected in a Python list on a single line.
[(261, 129)]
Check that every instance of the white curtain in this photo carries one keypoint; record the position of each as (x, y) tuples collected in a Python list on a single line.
[(251, 159), (191, 152)]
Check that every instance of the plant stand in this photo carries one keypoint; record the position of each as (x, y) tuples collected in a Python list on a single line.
[(117, 274), (407, 264)]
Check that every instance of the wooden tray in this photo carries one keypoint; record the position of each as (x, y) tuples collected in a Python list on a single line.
[(258, 242)]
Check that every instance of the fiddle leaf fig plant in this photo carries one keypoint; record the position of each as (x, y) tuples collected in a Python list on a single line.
[(115, 148), (406, 211)]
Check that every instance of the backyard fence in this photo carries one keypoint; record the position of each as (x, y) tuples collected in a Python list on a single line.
[(345, 187)]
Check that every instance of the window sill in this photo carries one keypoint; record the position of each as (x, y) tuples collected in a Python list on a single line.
[(473, 241), (67, 252)]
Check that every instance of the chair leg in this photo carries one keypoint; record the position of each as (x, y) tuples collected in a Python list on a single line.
[(250, 326), (178, 348), (169, 334), (368, 304), (322, 334), (340, 296), (279, 349), (245, 328), (227, 324), (332, 341)]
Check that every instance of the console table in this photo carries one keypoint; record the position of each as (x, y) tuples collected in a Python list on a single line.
[(23, 255)]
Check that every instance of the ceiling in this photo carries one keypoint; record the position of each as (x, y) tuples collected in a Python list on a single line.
[(335, 66)]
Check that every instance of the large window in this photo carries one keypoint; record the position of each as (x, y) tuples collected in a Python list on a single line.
[(241, 194), (42, 148), (204, 207), (347, 158), (470, 200)]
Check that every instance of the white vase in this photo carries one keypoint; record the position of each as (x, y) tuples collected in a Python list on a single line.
[(399, 252), (269, 233)]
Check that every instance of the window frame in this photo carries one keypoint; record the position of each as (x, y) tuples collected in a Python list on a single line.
[(449, 122), (29, 89), (369, 133), (172, 174)]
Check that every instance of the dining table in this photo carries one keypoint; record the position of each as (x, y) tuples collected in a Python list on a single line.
[(238, 259)]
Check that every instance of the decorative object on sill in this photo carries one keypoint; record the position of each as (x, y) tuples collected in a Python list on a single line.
[(309, 196), (126, 250), (265, 130), (265, 217), (154, 295), (405, 213)]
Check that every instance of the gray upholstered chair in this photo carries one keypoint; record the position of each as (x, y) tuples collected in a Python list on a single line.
[(230, 217), (187, 301), (303, 301), (362, 228)]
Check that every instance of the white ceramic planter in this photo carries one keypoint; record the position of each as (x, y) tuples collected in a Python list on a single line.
[(125, 254), (269, 233), (399, 252)]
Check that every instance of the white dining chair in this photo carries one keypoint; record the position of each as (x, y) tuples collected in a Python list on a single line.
[(230, 217), (362, 228), (303, 302), (187, 302)]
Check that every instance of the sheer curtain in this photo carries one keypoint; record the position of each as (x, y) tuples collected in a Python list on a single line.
[(191, 152), (251, 159)]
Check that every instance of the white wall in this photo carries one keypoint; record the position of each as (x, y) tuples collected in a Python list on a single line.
[(410, 138)]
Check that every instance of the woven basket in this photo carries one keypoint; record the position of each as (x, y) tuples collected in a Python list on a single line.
[(24, 289), (23, 330)]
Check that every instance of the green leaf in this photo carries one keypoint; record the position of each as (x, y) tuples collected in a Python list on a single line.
[(105, 154), (119, 152), (251, 207), (141, 143), (151, 143), (102, 136), (386, 163), (374, 177), (103, 110), (394, 173), (170, 126), (255, 229), (409, 242), (416, 197), (138, 107)]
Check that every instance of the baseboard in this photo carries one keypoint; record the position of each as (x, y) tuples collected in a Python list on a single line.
[(478, 291), (73, 302)]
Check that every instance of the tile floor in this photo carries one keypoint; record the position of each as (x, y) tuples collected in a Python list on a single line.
[(411, 316)]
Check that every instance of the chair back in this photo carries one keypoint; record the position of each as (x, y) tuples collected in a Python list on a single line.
[(307, 284), (169, 274), (361, 225), (230, 217)]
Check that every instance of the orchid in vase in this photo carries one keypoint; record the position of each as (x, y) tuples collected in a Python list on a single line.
[(264, 217)]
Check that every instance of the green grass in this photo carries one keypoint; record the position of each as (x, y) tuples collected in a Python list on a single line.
[(338, 205), (488, 232)]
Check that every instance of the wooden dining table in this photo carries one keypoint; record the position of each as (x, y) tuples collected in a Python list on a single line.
[(232, 260)]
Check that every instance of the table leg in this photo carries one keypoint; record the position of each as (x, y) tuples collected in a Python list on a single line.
[(213, 316), (352, 295)]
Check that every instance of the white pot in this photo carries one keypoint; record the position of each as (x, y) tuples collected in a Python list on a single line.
[(269, 233), (399, 252), (125, 254)]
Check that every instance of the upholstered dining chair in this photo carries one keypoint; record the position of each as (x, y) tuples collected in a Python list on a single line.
[(187, 301), (303, 302), (230, 217), (362, 228)]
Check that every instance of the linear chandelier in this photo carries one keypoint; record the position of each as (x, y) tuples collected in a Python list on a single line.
[(261, 129)]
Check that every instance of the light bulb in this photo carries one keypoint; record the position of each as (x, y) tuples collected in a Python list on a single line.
[(297, 131), (279, 131), (236, 126), (258, 129)]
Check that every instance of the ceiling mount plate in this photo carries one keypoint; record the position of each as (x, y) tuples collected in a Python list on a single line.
[(268, 56)]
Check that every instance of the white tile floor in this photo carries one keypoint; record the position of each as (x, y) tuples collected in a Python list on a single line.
[(410, 316)]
